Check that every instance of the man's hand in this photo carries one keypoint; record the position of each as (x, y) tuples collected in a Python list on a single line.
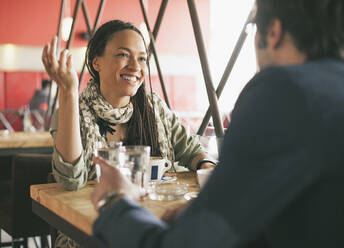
[(171, 214), (112, 180)]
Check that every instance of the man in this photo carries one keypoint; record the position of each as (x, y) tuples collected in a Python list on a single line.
[(281, 176), (39, 101)]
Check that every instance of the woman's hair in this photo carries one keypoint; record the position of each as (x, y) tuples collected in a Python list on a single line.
[(142, 129), (316, 26)]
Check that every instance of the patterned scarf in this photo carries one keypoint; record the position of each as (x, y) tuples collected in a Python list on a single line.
[(96, 118)]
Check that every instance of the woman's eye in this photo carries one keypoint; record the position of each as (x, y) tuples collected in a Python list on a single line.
[(144, 59), (123, 55)]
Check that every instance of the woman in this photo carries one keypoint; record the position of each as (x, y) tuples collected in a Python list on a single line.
[(113, 107)]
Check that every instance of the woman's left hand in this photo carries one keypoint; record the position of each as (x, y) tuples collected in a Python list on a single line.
[(112, 180)]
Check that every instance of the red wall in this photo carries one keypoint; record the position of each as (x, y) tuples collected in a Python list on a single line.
[(2, 90), (176, 94), (34, 22), (176, 33), (20, 87), (28, 22)]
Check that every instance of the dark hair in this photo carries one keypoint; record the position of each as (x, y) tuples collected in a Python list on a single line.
[(142, 129), (316, 26), (45, 83)]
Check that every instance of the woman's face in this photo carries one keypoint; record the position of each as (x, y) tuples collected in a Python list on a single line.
[(122, 67)]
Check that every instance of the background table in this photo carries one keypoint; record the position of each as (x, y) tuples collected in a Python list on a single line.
[(72, 211), (25, 142), (13, 143)]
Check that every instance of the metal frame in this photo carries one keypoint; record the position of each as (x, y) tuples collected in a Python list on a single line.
[(205, 68), (91, 32), (86, 16), (152, 48), (228, 70), (213, 109), (78, 4), (71, 34), (6, 123), (213, 95)]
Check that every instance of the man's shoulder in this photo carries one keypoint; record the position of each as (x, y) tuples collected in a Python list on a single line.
[(310, 73), (281, 72), (268, 77)]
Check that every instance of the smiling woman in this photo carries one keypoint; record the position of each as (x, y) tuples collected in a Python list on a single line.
[(113, 107), (122, 67)]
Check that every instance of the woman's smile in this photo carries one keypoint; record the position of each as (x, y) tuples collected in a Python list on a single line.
[(130, 78)]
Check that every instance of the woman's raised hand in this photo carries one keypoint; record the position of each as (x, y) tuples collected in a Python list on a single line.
[(62, 70)]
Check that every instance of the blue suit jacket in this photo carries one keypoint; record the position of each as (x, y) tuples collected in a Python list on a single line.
[(280, 181)]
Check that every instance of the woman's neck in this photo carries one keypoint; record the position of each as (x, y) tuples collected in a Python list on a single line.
[(115, 101)]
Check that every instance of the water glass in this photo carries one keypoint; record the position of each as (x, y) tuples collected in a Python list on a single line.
[(113, 157), (136, 160)]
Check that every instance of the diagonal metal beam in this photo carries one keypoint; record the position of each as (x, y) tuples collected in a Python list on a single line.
[(99, 13), (158, 22), (38, 117), (59, 28), (86, 16), (152, 46), (72, 30), (6, 123), (205, 68), (159, 18), (228, 70), (71, 34)]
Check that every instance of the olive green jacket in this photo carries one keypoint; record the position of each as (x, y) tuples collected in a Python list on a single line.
[(175, 144)]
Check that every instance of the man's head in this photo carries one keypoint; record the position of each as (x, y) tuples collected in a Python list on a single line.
[(45, 83), (291, 31)]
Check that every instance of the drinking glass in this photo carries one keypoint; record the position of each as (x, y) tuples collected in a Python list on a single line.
[(136, 160), (112, 156)]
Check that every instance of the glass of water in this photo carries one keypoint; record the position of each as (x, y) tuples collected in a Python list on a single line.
[(112, 156), (136, 160)]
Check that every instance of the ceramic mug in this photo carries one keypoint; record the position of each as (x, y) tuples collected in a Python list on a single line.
[(157, 167), (203, 176)]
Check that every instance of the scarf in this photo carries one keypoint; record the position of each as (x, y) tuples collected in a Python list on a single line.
[(96, 118)]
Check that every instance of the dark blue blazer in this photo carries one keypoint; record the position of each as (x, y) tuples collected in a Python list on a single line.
[(280, 182)]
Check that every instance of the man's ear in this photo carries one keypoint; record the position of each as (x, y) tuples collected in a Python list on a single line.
[(95, 64), (275, 34)]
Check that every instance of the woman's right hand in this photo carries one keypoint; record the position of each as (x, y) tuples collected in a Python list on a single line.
[(62, 70)]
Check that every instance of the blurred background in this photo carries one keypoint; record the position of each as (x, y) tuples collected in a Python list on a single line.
[(27, 25)]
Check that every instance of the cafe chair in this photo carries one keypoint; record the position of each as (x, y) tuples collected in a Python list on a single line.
[(16, 216), (5, 163)]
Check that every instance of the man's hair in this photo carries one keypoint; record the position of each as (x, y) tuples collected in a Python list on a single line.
[(316, 26), (45, 83)]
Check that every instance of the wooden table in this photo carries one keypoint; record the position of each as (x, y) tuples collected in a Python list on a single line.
[(26, 139), (72, 211), (25, 142), (12, 143)]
